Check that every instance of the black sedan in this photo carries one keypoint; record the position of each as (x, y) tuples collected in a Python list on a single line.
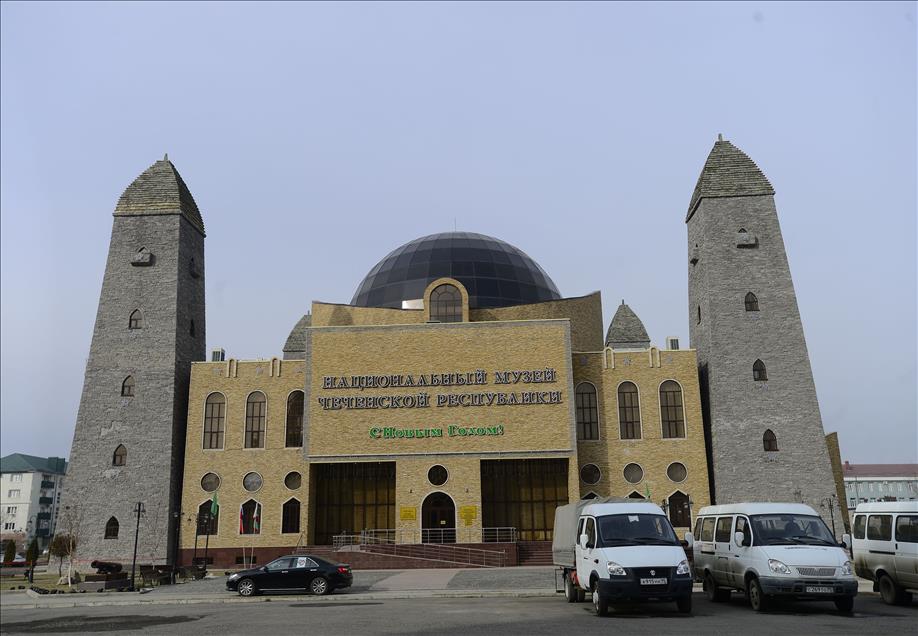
[(293, 573)]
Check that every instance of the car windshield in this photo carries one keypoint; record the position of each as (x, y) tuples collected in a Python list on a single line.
[(635, 529), (790, 529)]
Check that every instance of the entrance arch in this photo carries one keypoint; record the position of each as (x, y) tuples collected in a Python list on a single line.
[(438, 519)]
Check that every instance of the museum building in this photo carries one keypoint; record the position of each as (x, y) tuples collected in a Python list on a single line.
[(458, 399)]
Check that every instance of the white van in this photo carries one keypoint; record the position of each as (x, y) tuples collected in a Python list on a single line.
[(623, 551), (885, 548), (769, 550)]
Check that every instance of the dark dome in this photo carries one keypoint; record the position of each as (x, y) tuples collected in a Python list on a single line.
[(495, 273)]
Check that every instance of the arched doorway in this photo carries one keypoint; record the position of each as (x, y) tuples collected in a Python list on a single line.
[(438, 519)]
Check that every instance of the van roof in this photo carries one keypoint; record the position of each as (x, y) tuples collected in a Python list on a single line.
[(622, 507), (757, 508), (888, 506)]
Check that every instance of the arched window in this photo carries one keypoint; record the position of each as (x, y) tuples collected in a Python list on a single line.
[(255, 408), (752, 303), (207, 520), (679, 512), (586, 411), (629, 411), (136, 320), (290, 521), (770, 440), (111, 528), (758, 371), (671, 411), (250, 518), (214, 420), (119, 457), (636, 495), (127, 387), (295, 419), (446, 304)]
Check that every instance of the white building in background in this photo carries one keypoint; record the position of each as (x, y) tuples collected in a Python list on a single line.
[(880, 482), (30, 490)]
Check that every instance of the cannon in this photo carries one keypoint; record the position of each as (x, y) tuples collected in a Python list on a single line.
[(106, 567)]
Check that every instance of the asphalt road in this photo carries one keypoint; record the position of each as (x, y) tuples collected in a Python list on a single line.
[(460, 616)]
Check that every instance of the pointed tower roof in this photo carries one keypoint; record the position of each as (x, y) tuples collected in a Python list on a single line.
[(728, 172), (160, 190), (626, 331), (296, 341)]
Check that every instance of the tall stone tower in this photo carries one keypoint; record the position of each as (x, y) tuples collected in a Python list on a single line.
[(128, 445), (766, 440)]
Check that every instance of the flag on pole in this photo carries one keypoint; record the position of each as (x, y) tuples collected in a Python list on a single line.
[(241, 520), (214, 506), (647, 490), (256, 519)]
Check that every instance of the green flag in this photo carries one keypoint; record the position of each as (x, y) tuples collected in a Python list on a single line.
[(646, 489), (214, 506)]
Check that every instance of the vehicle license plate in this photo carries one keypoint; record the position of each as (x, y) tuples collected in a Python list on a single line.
[(819, 589), (658, 581)]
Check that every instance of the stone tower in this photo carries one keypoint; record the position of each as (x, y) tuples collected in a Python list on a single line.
[(766, 441), (128, 445)]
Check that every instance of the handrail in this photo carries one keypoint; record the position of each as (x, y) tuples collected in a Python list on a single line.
[(433, 551), (429, 535)]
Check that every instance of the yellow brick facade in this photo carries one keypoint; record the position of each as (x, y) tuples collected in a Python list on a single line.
[(647, 369), (346, 341)]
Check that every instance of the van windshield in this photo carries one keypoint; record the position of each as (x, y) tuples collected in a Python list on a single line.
[(789, 529), (635, 529)]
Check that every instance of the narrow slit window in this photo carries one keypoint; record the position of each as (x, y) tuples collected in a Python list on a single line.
[(136, 320)]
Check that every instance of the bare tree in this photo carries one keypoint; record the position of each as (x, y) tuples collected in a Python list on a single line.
[(71, 521)]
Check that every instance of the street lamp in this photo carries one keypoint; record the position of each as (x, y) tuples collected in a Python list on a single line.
[(831, 502)]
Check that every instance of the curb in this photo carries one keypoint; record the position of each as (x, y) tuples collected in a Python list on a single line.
[(338, 598), (342, 598)]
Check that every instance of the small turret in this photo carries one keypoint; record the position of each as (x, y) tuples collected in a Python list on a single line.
[(626, 331)]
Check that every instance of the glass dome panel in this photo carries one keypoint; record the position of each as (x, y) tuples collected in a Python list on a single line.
[(495, 273)]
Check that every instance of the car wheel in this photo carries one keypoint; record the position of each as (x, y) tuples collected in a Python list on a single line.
[(600, 604), (685, 604), (246, 587), (845, 604), (893, 594), (757, 598), (569, 592), (319, 586), (713, 591)]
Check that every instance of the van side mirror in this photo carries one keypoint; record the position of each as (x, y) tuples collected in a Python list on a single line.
[(846, 541), (740, 539), (583, 541), (689, 540)]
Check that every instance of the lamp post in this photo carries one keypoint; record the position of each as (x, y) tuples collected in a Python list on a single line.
[(177, 515), (830, 502), (138, 510)]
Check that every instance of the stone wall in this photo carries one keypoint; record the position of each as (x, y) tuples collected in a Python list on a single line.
[(730, 339), (150, 424)]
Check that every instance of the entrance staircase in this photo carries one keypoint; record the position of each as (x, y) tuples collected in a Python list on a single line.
[(535, 553)]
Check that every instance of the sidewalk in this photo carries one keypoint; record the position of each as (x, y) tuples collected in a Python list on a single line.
[(368, 585)]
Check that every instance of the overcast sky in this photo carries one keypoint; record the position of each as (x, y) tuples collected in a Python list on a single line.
[(318, 137)]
